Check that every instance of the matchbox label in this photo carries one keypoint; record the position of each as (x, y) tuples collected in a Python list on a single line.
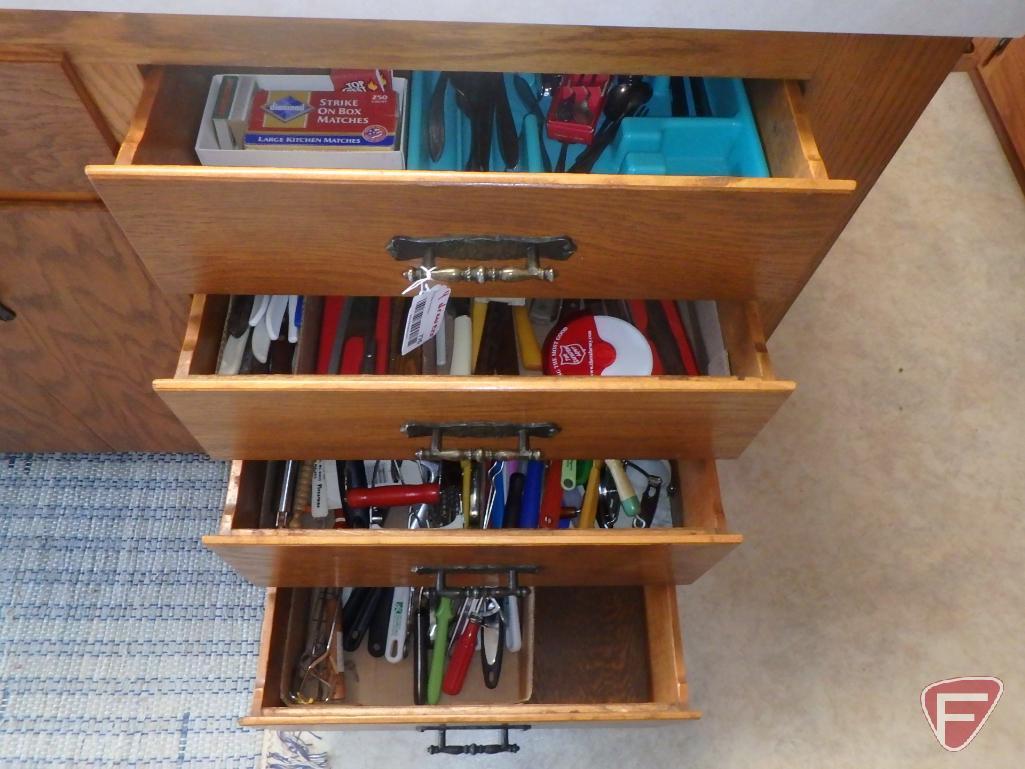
[(362, 112)]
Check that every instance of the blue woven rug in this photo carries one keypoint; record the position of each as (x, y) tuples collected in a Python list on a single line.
[(122, 641)]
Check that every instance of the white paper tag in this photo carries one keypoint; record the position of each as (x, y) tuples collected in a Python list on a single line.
[(426, 314), (326, 493), (332, 487), (318, 498)]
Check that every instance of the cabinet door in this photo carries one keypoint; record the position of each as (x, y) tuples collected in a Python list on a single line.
[(95, 331), (49, 132)]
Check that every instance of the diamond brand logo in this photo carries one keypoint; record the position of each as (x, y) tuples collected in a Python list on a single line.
[(287, 108)]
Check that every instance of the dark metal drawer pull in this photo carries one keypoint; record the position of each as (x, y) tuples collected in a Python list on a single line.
[(523, 431), (442, 589), (472, 749), (481, 248)]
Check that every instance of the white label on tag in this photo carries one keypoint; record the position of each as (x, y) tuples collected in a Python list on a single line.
[(331, 487), (426, 314), (318, 498)]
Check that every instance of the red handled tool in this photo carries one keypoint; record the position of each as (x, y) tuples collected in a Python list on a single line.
[(462, 652), (675, 323), (328, 329), (551, 500), (394, 496)]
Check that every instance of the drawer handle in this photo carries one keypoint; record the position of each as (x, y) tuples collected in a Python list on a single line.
[(437, 430), (442, 589), (481, 248), (472, 749), (6, 313)]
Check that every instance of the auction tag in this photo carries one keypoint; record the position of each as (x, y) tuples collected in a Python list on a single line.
[(426, 314), (326, 494), (332, 487), (318, 497)]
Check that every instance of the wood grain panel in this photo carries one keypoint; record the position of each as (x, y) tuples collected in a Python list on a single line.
[(1000, 83), (99, 329), (49, 132), (665, 645), (115, 88), (308, 558), (282, 42), (591, 645), (267, 713), (34, 421), (235, 230)]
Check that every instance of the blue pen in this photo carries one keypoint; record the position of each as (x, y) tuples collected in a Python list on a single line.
[(530, 512), (496, 514)]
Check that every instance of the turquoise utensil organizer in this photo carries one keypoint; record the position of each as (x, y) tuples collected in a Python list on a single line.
[(723, 144)]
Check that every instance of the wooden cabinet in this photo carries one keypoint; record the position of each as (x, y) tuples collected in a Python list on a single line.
[(830, 109), (91, 330)]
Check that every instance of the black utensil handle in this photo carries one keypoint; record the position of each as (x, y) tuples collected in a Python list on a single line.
[(353, 635), (508, 141), (487, 129), (493, 670), (701, 106), (514, 501), (350, 614), (560, 164), (649, 504), (377, 640), (421, 643)]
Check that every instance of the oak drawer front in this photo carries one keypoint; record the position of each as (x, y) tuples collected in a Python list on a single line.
[(51, 131), (633, 668), (679, 554), (249, 230), (352, 417)]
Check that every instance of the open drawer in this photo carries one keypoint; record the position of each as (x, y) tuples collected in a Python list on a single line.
[(360, 416), (289, 230), (286, 557), (627, 667)]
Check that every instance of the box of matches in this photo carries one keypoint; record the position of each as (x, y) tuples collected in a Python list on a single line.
[(346, 119), (359, 113)]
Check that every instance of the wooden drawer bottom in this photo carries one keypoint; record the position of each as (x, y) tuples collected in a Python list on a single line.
[(595, 654)]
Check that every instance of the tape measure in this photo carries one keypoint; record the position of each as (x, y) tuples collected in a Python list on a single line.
[(597, 345)]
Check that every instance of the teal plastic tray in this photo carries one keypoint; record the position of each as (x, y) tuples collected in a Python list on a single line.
[(724, 144)]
